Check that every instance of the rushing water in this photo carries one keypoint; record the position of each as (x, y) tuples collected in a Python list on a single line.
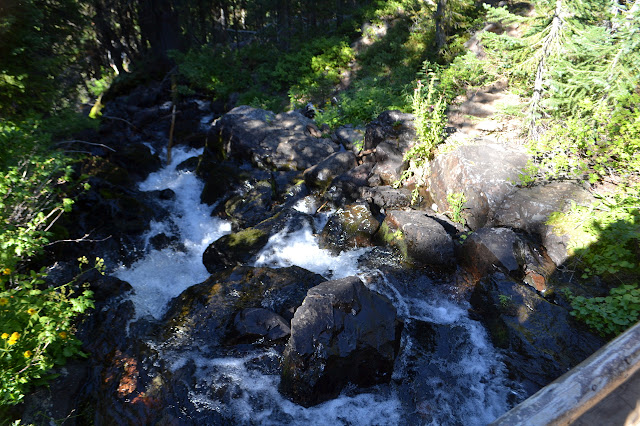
[(163, 274), (457, 380)]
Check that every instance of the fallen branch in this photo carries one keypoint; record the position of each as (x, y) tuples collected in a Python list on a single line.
[(83, 239), (120, 119), (86, 143)]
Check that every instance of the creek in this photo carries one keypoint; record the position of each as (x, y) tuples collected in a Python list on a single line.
[(447, 371)]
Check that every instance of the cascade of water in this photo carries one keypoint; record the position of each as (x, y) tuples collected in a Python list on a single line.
[(467, 386), (163, 274)]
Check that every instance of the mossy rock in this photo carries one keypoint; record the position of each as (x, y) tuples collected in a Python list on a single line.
[(352, 226), (234, 249), (205, 312)]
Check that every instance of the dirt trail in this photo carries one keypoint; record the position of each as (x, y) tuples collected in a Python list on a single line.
[(480, 114)]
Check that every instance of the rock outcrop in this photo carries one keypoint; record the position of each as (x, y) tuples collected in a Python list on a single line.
[(421, 239), (485, 173), (269, 141), (343, 333)]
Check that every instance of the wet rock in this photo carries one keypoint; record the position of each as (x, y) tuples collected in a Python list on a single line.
[(253, 323), (422, 240), (347, 188), (485, 173), (164, 194), (270, 142), (220, 179), (321, 174), (204, 314), (529, 209), (488, 249), (146, 116), (389, 162), (442, 357), (288, 184), (540, 339), (104, 287), (252, 207), (240, 247), (342, 333), (137, 159), (189, 165), (58, 400), (388, 198), (352, 226), (162, 241), (234, 249)]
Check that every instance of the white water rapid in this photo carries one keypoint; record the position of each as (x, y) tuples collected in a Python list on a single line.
[(163, 274), (459, 382)]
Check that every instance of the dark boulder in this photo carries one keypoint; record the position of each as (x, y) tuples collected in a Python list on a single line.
[(188, 165), (270, 142), (254, 323), (146, 116), (485, 173), (343, 333), (391, 126), (234, 249), (347, 188), (529, 209), (541, 340), (137, 159), (488, 249), (240, 247), (387, 197), (389, 162), (251, 207), (351, 138), (104, 287), (206, 313), (162, 241), (421, 239), (219, 178), (321, 174)]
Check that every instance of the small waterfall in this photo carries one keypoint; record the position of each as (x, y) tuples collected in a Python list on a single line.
[(459, 382), (163, 274)]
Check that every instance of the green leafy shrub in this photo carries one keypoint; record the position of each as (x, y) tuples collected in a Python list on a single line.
[(362, 103), (611, 315), (456, 202), (36, 330), (430, 119), (31, 184), (36, 322), (218, 71), (318, 74), (598, 142), (604, 237)]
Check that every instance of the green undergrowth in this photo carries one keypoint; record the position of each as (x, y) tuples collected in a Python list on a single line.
[(346, 86), (610, 315), (578, 62), (37, 186)]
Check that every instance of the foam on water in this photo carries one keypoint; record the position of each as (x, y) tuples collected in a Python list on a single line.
[(301, 248), (476, 369), (256, 399), (163, 274), (472, 388)]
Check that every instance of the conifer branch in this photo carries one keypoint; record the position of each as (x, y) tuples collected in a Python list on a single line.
[(549, 43)]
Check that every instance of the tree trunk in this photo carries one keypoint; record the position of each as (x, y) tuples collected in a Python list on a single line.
[(441, 28), (159, 26)]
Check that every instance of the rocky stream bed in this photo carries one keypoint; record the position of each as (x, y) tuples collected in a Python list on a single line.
[(271, 274)]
